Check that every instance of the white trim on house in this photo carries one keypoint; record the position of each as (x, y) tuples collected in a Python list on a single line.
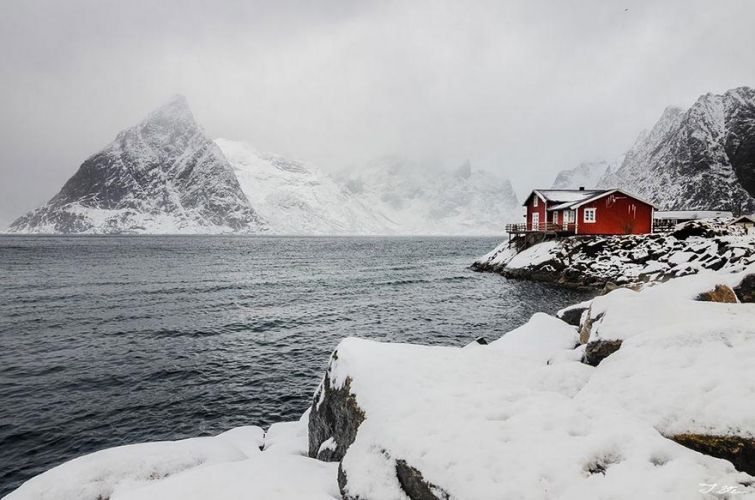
[(652, 220)]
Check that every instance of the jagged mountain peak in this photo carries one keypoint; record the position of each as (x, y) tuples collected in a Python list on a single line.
[(699, 158), (162, 175)]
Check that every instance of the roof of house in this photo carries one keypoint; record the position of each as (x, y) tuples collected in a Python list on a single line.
[(744, 218), (691, 214), (562, 195), (563, 199)]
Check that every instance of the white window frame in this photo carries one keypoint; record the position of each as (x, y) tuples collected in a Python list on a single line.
[(554, 217), (535, 201), (572, 216), (589, 215), (535, 220)]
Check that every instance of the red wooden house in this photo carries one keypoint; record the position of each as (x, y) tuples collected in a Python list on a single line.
[(581, 211)]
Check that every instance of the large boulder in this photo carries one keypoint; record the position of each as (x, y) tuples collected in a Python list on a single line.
[(116, 471), (441, 423)]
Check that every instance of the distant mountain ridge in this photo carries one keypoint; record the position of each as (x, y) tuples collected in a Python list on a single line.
[(164, 176), (586, 174), (161, 176), (440, 202), (699, 158)]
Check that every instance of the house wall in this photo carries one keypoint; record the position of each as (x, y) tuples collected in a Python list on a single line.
[(540, 209), (616, 214)]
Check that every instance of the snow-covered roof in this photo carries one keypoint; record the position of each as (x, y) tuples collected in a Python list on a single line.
[(606, 193), (745, 218), (691, 214), (563, 195), (575, 198)]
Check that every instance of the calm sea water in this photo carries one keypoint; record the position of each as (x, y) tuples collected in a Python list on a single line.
[(115, 340)]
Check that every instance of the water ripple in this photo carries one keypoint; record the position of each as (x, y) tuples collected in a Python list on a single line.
[(114, 340)]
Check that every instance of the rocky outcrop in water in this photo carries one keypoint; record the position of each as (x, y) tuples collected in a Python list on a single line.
[(595, 261)]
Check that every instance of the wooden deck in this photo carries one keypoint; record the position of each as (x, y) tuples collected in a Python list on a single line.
[(543, 227)]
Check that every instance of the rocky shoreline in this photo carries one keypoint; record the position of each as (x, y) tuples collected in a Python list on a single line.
[(592, 262)]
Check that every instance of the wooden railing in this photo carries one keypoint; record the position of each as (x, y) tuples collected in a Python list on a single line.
[(542, 227), (663, 225)]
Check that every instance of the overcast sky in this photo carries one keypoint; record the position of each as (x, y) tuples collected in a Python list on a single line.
[(524, 88)]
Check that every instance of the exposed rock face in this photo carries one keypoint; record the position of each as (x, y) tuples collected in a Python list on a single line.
[(626, 260), (572, 315), (415, 486), (598, 350), (721, 293), (746, 289), (335, 415), (162, 175), (701, 158), (737, 450)]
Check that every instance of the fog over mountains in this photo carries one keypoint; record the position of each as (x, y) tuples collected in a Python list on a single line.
[(697, 158), (165, 176)]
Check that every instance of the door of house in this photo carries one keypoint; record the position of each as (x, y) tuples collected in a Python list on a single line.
[(535, 221)]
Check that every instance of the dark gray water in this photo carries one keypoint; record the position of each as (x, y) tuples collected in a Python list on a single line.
[(113, 340)]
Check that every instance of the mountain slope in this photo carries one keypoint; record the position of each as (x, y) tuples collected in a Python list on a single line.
[(160, 176), (297, 198), (586, 174), (435, 202), (701, 158)]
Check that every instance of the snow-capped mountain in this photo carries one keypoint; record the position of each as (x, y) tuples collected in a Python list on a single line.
[(160, 176), (586, 174), (700, 158), (165, 176), (297, 198), (422, 201)]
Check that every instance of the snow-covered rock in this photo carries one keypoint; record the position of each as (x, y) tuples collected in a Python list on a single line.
[(266, 476), (160, 176), (228, 466), (683, 365), (101, 474), (596, 260), (289, 438), (445, 422), (700, 158), (540, 339)]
